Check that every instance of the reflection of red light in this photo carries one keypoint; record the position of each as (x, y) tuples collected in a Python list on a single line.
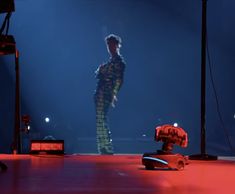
[(56, 146)]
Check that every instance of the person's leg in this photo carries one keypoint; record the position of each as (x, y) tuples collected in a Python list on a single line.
[(104, 142)]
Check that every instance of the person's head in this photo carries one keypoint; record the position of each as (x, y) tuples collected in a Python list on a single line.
[(113, 43)]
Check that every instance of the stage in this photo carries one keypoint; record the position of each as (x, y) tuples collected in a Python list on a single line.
[(73, 174)]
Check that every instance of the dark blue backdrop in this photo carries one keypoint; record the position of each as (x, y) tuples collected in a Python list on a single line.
[(61, 43)]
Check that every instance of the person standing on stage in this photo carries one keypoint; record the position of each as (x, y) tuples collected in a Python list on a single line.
[(109, 81)]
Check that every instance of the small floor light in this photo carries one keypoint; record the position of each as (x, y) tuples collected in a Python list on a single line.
[(165, 158)]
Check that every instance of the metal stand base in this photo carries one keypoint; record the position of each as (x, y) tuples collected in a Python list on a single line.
[(202, 157)]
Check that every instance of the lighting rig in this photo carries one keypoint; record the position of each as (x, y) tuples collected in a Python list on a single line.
[(8, 47)]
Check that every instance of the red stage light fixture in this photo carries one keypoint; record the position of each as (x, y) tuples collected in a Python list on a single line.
[(165, 158)]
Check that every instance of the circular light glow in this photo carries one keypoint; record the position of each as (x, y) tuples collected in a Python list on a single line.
[(47, 119), (234, 116), (175, 124), (144, 135)]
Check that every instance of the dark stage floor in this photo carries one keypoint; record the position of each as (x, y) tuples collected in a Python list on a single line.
[(95, 174)]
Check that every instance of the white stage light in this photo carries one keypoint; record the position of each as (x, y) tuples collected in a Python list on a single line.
[(47, 119)]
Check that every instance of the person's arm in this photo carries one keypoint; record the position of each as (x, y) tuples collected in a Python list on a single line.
[(99, 71), (119, 72)]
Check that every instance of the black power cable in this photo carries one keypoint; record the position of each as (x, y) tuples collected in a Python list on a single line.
[(217, 101)]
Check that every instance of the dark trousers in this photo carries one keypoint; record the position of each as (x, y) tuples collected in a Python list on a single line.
[(103, 100)]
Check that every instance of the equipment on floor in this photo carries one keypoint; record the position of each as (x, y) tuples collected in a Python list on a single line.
[(164, 158), (3, 167), (47, 147)]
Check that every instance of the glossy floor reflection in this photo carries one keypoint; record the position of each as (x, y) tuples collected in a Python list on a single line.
[(95, 174)]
